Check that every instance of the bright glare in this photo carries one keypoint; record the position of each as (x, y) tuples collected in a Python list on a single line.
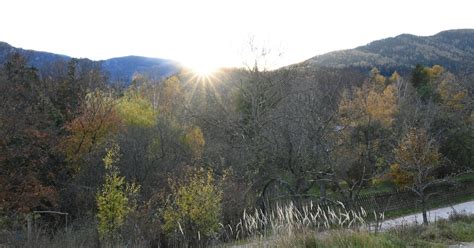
[(203, 69), (184, 30), (204, 62)]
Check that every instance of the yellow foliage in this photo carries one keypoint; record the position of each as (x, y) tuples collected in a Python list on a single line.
[(452, 95), (417, 156), (114, 198), (395, 77), (400, 177), (136, 110), (383, 106), (435, 71), (368, 104), (111, 157), (377, 82), (197, 206), (417, 149), (194, 140), (170, 96)]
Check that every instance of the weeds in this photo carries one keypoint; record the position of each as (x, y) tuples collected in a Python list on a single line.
[(290, 219)]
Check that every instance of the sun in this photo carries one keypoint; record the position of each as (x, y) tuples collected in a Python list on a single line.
[(204, 62), (203, 76), (204, 69)]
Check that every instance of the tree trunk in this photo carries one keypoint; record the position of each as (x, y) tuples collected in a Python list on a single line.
[(423, 209), (322, 189), (29, 221)]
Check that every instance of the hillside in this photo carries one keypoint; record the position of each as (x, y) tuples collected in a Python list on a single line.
[(453, 49), (118, 69), (123, 68)]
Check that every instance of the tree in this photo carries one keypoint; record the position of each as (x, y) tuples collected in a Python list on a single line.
[(97, 121), (419, 76), (27, 137), (115, 198), (417, 159), (69, 82), (364, 134)]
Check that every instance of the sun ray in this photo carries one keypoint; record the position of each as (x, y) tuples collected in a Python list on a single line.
[(200, 83)]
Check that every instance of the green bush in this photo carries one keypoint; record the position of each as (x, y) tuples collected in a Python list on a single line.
[(196, 209)]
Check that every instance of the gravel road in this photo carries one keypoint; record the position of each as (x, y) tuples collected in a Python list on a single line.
[(433, 215)]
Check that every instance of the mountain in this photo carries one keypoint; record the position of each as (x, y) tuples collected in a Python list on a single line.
[(40, 60), (123, 68), (452, 49), (118, 69)]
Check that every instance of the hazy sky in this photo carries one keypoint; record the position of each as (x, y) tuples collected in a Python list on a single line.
[(215, 33)]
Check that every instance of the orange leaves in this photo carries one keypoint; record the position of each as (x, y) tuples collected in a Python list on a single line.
[(417, 157), (97, 121), (24, 192)]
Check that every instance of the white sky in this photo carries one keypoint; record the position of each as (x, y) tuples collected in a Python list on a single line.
[(215, 32)]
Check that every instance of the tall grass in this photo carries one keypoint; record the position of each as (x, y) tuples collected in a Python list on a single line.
[(289, 219)]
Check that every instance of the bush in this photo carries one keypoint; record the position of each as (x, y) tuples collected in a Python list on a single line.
[(195, 212)]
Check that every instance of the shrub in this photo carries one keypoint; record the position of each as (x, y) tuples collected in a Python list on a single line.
[(196, 208)]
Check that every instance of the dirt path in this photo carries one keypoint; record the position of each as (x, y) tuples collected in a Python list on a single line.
[(433, 215)]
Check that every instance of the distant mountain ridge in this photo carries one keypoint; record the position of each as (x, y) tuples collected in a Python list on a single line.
[(118, 69), (123, 68), (453, 49)]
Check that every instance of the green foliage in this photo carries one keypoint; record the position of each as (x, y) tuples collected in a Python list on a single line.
[(196, 209), (425, 80), (419, 76), (114, 198), (136, 110), (341, 239), (459, 147)]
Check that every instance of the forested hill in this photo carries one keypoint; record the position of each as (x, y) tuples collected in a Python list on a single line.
[(453, 49), (118, 69)]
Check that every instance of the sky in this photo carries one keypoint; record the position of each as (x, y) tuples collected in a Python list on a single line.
[(210, 33)]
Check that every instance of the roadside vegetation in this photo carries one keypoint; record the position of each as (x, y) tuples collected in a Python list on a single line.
[(194, 161), (456, 230)]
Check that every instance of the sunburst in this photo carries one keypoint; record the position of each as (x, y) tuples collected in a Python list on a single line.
[(204, 78)]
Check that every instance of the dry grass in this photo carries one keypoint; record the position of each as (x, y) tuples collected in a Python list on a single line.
[(292, 221)]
